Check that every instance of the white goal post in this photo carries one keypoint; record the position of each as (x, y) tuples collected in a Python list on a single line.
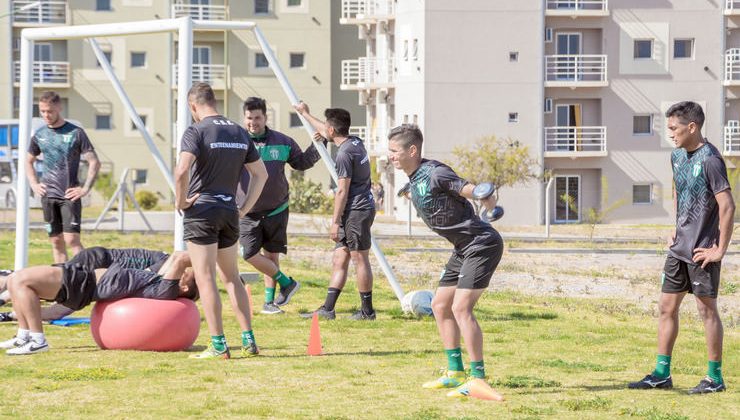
[(184, 28)]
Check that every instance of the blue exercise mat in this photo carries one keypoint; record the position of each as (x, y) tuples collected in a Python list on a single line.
[(66, 322)]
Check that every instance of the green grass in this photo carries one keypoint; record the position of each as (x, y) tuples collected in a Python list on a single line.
[(550, 357)]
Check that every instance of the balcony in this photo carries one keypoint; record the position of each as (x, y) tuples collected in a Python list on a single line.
[(46, 74), (732, 67), (576, 70), (46, 13), (367, 73), (367, 11), (732, 7), (575, 142), (732, 139), (577, 8), (373, 143), (200, 11), (213, 74)]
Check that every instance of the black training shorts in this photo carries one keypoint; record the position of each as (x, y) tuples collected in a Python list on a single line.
[(268, 232), (205, 224), (354, 231), (473, 268), (61, 215), (680, 276), (78, 286)]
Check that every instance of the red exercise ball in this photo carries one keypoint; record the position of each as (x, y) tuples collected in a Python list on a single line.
[(145, 324)]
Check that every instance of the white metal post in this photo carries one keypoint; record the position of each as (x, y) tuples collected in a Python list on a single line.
[(184, 80), (272, 60), (24, 136), (547, 206)]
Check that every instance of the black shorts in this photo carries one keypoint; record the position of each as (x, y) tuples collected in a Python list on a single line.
[(268, 232), (473, 268), (78, 286), (61, 215), (354, 231), (680, 276), (205, 224)]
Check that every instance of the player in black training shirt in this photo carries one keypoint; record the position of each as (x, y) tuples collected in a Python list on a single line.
[(214, 152), (441, 198), (62, 145), (704, 218), (354, 212)]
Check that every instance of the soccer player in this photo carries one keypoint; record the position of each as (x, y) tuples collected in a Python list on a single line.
[(62, 144), (354, 212), (441, 198), (265, 226), (76, 286), (704, 221), (214, 152)]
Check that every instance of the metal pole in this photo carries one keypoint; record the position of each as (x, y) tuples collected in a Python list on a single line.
[(547, 207), (184, 80), (288, 89), (408, 222), (132, 113), (24, 136)]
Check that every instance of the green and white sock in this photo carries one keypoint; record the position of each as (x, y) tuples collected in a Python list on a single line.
[(269, 294), (454, 360), (282, 279), (477, 370), (248, 338), (662, 366), (714, 371), (219, 343)]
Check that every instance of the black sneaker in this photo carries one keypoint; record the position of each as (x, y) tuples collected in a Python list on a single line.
[(286, 293), (652, 382), (270, 308), (322, 312), (362, 316), (707, 386), (5, 317)]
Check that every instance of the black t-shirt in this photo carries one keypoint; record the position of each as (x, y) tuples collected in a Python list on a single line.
[(698, 176), (99, 257), (62, 148), (118, 283), (353, 162), (435, 191), (221, 148)]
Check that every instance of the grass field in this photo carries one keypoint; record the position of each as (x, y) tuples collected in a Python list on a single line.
[(552, 357)]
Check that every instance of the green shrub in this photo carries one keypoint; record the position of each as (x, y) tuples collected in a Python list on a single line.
[(105, 186), (146, 199), (307, 196)]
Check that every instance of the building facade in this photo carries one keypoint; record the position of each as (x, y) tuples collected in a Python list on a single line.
[(301, 32), (584, 84)]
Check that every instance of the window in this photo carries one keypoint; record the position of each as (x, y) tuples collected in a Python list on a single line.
[(415, 50), (261, 7), (109, 56), (143, 120), (102, 122), (548, 34), (260, 61), (548, 105), (642, 194), (642, 124), (102, 5), (140, 176), (138, 59), (294, 3), (297, 60), (405, 50), (643, 48), (513, 117), (683, 48), (513, 56), (567, 198), (295, 121)]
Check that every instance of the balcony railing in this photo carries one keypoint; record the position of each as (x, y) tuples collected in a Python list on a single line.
[(41, 14), (213, 74), (48, 73), (577, 8), (358, 131), (732, 66), (200, 11), (576, 70), (363, 11), (575, 141), (732, 7), (732, 138), (373, 143), (367, 73)]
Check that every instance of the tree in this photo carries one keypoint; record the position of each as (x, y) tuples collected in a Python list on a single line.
[(504, 162), (595, 216)]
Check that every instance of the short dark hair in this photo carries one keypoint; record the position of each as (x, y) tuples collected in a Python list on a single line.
[(406, 135), (339, 119), (254, 103), (687, 112), (202, 94), (50, 97)]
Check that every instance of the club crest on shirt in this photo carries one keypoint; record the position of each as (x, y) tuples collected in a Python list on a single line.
[(422, 189), (274, 153), (696, 170)]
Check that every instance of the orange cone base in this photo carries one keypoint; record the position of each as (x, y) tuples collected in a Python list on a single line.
[(314, 338), (481, 390)]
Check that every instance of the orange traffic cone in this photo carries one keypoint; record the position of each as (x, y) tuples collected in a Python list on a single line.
[(249, 297), (481, 390), (314, 338)]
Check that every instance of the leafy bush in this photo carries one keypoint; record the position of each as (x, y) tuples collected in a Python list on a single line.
[(307, 196), (146, 199), (105, 186)]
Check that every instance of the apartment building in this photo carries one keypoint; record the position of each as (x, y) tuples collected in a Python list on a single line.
[(583, 83), (305, 35)]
